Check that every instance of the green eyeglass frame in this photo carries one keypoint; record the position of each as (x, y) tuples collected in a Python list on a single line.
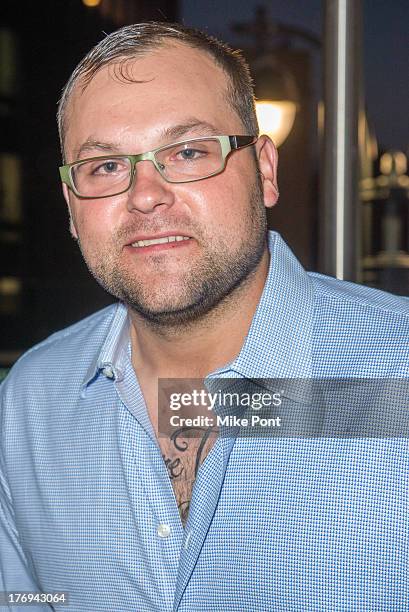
[(227, 144)]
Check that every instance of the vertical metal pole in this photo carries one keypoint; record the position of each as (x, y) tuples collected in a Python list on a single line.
[(342, 82)]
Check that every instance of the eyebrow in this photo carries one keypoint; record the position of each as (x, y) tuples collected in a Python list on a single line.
[(192, 127), (90, 145)]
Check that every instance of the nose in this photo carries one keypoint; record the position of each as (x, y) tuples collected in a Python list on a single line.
[(149, 190)]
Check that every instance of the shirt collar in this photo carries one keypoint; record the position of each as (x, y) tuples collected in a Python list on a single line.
[(112, 356), (279, 342)]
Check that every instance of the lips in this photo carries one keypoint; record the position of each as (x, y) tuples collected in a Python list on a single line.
[(155, 243), (145, 242)]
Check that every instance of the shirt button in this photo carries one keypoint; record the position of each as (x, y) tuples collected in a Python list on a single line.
[(108, 372), (163, 530)]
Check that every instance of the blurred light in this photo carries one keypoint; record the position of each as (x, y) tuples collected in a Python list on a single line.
[(367, 145), (91, 2), (10, 285), (276, 118), (393, 162), (277, 97), (320, 118), (8, 65), (11, 210), (10, 295)]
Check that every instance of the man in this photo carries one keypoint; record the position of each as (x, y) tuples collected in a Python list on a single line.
[(166, 184)]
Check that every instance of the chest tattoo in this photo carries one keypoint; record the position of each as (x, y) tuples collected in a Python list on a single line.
[(183, 454)]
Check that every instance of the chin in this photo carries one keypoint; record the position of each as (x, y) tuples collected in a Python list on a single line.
[(170, 314)]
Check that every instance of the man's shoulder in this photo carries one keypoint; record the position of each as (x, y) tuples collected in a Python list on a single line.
[(354, 298), (359, 330), (71, 348)]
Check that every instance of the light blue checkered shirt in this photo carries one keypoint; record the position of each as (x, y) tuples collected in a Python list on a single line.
[(275, 524)]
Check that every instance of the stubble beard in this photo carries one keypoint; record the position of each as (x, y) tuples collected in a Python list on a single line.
[(208, 283)]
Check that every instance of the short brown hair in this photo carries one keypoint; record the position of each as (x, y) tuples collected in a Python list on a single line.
[(137, 39)]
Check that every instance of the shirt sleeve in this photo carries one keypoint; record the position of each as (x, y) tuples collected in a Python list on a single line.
[(15, 575)]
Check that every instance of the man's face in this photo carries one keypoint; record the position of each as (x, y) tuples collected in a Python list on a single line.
[(174, 93)]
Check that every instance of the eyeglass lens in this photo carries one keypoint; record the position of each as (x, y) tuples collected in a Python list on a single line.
[(183, 162)]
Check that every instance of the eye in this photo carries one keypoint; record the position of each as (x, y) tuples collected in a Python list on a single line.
[(189, 154), (108, 167), (99, 168)]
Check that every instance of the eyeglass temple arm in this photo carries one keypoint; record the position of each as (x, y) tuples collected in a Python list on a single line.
[(65, 175), (237, 142)]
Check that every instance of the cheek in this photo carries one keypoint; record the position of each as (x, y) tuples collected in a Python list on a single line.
[(228, 204), (93, 220), (211, 199)]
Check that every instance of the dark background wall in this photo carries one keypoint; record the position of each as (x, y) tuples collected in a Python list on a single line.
[(48, 39)]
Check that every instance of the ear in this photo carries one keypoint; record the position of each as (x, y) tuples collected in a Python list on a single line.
[(267, 161), (66, 193)]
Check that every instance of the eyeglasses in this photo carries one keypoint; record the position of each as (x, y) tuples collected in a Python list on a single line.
[(180, 162)]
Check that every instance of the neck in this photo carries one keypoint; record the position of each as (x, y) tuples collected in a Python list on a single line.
[(195, 350)]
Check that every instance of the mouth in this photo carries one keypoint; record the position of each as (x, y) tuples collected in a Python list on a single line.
[(160, 243)]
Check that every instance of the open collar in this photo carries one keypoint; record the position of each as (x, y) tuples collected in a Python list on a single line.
[(279, 341)]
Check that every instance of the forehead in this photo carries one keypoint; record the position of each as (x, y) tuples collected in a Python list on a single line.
[(148, 94)]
